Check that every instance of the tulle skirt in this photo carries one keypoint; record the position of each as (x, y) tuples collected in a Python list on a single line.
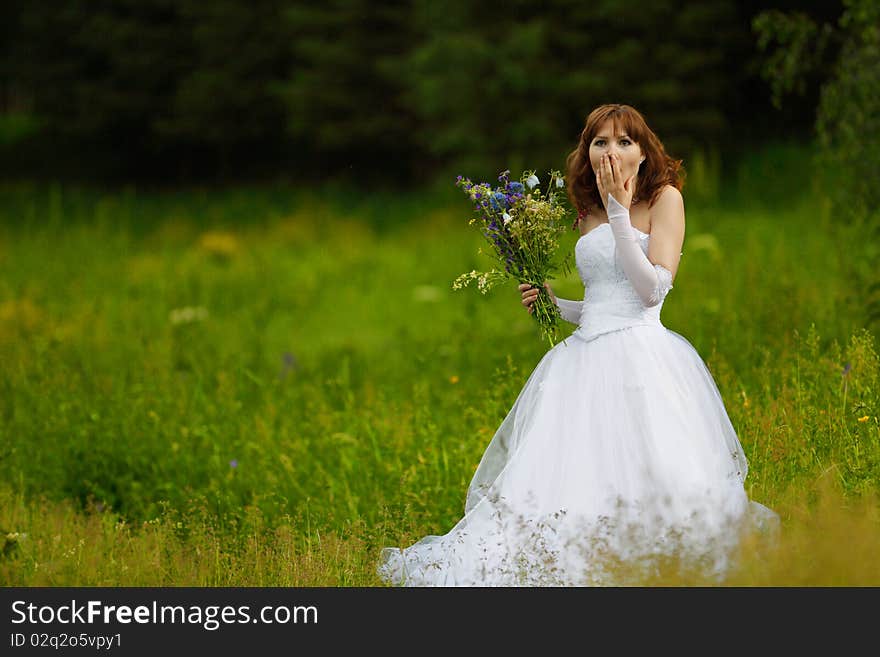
[(618, 450)]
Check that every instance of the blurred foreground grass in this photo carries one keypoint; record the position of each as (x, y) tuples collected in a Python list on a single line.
[(265, 387)]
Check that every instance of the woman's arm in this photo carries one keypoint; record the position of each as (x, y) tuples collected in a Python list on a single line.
[(651, 277), (570, 310)]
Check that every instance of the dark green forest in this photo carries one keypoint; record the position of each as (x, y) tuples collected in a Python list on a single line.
[(392, 93)]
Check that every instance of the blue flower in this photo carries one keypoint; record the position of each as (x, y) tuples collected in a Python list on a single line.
[(498, 201), (515, 187), (288, 362)]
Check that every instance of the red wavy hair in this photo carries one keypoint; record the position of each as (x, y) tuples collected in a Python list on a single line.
[(657, 171)]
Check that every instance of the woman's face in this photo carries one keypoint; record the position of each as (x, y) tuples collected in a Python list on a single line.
[(607, 141)]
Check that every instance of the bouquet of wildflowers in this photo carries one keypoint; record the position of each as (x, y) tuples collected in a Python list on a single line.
[(523, 226)]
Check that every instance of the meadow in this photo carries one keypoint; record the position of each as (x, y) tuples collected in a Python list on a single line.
[(264, 386)]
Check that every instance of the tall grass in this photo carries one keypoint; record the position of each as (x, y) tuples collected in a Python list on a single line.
[(265, 386)]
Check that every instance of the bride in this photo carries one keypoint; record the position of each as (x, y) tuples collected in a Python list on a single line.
[(618, 451)]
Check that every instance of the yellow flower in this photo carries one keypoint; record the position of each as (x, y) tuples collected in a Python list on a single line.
[(219, 243), (863, 419), (453, 379)]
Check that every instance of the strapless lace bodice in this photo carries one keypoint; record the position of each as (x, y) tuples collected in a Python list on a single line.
[(610, 301)]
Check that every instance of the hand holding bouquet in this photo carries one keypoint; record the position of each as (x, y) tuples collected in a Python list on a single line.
[(523, 225)]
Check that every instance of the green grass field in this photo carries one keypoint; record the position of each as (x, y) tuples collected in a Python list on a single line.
[(263, 387)]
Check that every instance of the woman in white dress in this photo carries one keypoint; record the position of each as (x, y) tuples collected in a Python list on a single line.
[(618, 449)]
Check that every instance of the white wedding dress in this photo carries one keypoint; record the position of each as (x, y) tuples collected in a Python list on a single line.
[(618, 449)]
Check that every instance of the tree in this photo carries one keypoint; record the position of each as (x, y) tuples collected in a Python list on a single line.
[(100, 72), (847, 121), (224, 102), (343, 95)]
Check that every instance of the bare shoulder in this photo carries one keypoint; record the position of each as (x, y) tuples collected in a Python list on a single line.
[(668, 211), (669, 196), (667, 230)]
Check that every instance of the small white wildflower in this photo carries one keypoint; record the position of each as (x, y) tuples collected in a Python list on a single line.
[(463, 280), (532, 180), (507, 218), (560, 182), (483, 283), (187, 315)]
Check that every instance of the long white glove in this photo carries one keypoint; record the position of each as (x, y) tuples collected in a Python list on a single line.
[(651, 282), (570, 310)]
